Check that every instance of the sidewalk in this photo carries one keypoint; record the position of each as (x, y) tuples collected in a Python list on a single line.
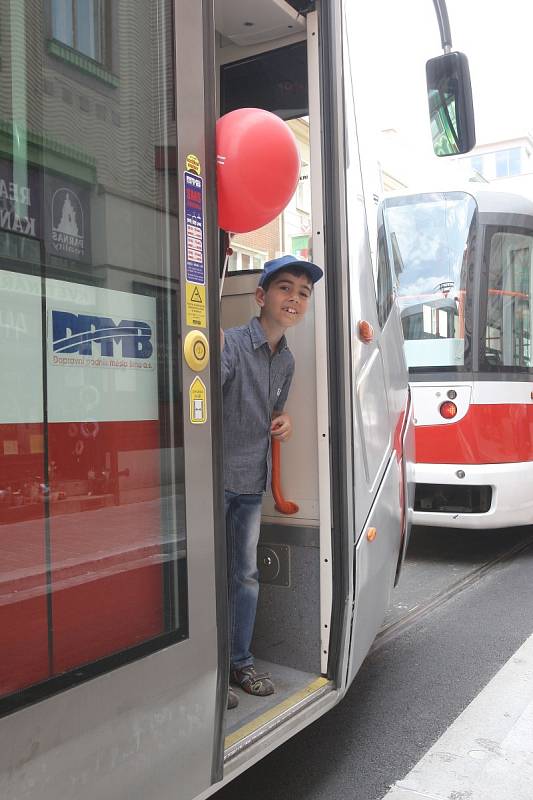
[(487, 753)]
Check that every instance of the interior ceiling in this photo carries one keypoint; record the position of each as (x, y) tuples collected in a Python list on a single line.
[(246, 22)]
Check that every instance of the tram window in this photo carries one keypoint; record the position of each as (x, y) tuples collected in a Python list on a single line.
[(429, 242), (92, 518), (508, 329)]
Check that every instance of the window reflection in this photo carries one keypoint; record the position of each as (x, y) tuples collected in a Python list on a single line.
[(508, 332), (91, 448), (78, 23), (428, 240)]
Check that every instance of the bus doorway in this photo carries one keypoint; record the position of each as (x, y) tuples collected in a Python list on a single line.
[(293, 623), (302, 629)]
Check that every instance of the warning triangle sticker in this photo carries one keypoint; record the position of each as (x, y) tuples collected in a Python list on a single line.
[(196, 297)]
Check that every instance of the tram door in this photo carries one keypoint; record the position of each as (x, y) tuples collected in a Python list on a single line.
[(107, 590)]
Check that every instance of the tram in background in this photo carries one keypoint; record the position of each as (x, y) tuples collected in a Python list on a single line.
[(463, 265), (113, 593)]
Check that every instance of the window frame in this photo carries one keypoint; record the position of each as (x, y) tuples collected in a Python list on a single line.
[(490, 229), (505, 160), (102, 27)]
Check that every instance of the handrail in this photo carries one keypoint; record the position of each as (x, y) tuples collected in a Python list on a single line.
[(281, 505)]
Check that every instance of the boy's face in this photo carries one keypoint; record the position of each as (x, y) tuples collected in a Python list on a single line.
[(286, 298)]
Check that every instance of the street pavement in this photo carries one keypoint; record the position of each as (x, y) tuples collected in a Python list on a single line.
[(413, 717)]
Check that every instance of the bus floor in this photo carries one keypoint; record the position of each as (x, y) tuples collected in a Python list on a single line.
[(292, 688)]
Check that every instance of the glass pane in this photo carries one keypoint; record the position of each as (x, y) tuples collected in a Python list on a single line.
[(428, 245), (92, 513), (87, 24), (502, 164), (62, 21), (508, 333)]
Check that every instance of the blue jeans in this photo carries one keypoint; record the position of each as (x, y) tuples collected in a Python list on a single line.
[(243, 522)]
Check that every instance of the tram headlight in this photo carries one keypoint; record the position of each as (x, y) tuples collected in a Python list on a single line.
[(448, 410)]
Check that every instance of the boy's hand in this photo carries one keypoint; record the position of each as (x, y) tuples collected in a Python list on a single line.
[(281, 427)]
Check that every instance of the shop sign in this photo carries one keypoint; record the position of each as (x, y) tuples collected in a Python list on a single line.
[(19, 200), (68, 219)]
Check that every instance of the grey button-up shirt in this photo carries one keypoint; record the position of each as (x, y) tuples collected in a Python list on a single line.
[(255, 383)]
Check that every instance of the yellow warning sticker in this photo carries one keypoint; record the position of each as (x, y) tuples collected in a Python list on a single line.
[(195, 305), (192, 164), (198, 402)]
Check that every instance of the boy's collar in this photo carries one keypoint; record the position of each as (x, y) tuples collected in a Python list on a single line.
[(259, 338)]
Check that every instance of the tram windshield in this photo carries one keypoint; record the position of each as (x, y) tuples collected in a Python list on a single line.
[(428, 241)]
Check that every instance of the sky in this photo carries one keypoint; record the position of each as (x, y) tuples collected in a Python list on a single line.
[(496, 37), (398, 36), (390, 42)]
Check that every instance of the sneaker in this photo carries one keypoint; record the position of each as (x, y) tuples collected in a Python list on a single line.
[(252, 682), (233, 700)]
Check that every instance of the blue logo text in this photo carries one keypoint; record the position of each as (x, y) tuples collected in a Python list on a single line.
[(76, 333)]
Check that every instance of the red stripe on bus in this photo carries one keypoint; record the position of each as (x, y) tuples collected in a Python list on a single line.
[(111, 597), (23, 622), (488, 434), (105, 572)]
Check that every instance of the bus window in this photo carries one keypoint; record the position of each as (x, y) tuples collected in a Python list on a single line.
[(508, 330), (92, 511)]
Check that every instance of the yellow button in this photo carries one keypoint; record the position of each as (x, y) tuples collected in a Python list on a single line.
[(196, 350)]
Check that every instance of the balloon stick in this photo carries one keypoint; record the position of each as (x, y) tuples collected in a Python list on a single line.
[(229, 252)]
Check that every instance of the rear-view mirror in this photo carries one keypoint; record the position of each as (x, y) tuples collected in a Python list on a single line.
[(451, 110)]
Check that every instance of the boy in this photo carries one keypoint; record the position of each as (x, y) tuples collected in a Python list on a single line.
[(257, 369)]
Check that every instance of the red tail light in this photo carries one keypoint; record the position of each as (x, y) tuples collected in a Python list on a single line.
[(448, 409)]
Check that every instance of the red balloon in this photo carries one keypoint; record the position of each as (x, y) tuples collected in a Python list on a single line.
[(258, 166)]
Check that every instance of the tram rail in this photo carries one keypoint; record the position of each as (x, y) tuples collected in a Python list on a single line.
[(395, 628)]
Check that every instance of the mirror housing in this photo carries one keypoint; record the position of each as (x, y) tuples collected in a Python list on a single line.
[(451, 111)]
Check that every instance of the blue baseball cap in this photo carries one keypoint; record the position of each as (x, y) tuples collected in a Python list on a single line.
[(289, 262)]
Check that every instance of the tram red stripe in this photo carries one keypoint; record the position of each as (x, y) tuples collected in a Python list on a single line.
[(23, 622), (112, 596), (487, 434), (105, 545)]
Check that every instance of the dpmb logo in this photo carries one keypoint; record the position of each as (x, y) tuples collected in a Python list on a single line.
[(88, 340)]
